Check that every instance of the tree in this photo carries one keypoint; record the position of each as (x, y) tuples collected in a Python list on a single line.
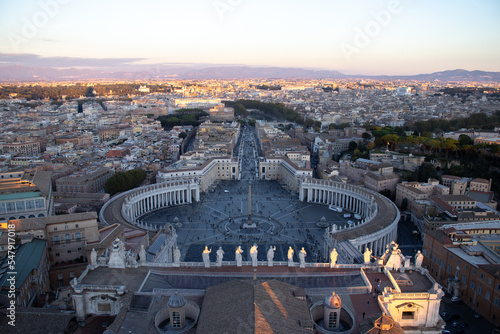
[(427, 134), (366, 136), (308, 123), (352, 146), (90, 91), (399, 131), (464, 140), (123, 181), (425, 172), (182, 135), (344, 125), (240, 109)]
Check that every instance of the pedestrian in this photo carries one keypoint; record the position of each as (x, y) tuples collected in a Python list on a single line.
[(363, 315), (367, 302)]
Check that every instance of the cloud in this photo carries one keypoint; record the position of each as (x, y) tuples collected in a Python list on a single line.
[(28, 59)]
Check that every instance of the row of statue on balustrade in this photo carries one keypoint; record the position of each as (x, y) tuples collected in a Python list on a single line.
[(253, 256), (392, 258)]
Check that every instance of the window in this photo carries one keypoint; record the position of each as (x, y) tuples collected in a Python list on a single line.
[(69, 251), (67, 236), (472, 285), (479, 289), (448, 269), (332, 320), (176, 320), (407, 315), (60, 276), (481, 275), (474, 272), (487, 295), (56, 238), (71, 274), (76, 225), (496, 302), (464, 279), (65, 227)]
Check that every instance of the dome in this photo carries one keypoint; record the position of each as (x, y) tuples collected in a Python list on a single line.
[(333, 301), (176, 301)]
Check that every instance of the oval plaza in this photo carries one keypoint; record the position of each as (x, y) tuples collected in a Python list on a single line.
[(375, 227)]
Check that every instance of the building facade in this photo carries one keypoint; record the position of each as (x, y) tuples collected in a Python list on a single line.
[(464, 258)]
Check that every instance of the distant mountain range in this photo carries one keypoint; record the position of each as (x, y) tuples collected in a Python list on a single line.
[(160, 72)]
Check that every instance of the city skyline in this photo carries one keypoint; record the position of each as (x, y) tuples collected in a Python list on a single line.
[(370, 38)]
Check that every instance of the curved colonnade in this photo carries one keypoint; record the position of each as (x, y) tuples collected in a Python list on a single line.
[(376, 229), (156, 196), (380, 216)]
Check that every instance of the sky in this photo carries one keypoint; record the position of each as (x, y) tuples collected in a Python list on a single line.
[(393, 37)]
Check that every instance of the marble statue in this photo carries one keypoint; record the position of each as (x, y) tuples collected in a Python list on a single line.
[(177, 255), (333, 257), (142, 254), (74, 281), (290, 255), (117, 256), (206, 256), (253, 255), (406, 262), (132, 259), (93, 257), (367, 255), (396, 258), (220, 255), (270, 256), (418, 259), (238, 256), (302, 257)]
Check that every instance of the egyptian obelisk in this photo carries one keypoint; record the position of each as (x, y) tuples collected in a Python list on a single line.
[(249, 223)]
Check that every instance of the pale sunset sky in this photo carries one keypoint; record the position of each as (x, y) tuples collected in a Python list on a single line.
[(394, 37)]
